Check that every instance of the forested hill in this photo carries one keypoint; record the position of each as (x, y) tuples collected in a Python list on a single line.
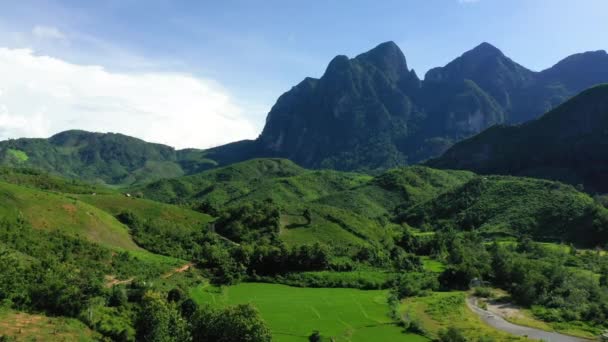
[(373, 112), (102, 158), (352, 208), (104, 265), (569, 144)]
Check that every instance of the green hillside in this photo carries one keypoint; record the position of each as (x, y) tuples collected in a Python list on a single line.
[(106, 158), (51, 211), (364, 256), (568, 144), (347, 207), (511, 206), (42, 180)]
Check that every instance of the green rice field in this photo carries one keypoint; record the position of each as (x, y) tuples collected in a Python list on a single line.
[(293, 313)]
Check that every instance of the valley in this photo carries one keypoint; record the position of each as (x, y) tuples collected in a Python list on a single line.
[(466, 206)]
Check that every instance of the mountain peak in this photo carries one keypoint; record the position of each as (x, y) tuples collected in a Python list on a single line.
[(483, 51), (387, 57), (386, 48), (340, 62)]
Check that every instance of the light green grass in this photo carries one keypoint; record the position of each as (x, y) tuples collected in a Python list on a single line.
[(293, 313), (432, 265), (441, 310), (19, 155), (50, 211), (118, 203), (28, 327)]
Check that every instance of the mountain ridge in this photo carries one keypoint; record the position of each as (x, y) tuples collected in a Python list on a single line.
[(368, 113), (566, 144)]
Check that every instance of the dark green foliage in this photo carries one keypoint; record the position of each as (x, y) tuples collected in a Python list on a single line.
[(308, 216), (107, 158), (38, 179), (509, 206), (560, 293), (55, 274), (160, 321), (315, 337), (451, 334), (235, 323), (404, 261), (415, 284), (250, 221), (252, 197), (164, 236), (175, 295), (118, 296), (188, 307), (552, 281), (566, 144)]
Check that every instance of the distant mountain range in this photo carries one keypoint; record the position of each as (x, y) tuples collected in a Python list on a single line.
[(569, 144), (368, 113), (373, 112)]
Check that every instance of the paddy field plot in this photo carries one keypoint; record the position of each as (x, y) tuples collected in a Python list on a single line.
[(292, 313)]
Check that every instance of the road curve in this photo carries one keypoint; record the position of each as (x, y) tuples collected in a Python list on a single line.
[(514, 329)]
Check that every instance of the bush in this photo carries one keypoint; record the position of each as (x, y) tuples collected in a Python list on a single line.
[(483, 292), (451, 334), (235, 324), (315, 336), (415, 284)]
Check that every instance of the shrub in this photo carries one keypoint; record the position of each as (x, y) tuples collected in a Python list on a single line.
[(483, 292), (451, 334)]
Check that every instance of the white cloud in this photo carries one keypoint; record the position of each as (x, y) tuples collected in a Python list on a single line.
[(48, 32), (43, 95)]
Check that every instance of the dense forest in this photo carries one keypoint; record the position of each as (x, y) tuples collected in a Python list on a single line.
[(413, 232)]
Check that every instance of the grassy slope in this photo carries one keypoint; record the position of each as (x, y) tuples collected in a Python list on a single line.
[(43, 181), (39, 201), (503, 205), (293, 313), (47, 210), (30, 327), (117, 203)]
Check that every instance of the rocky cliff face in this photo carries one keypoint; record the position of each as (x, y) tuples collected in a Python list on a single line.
[(373, 112), (359, 103)]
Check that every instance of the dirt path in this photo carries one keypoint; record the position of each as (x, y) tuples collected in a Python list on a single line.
[(496, 320), (112, 281), (180, 269)]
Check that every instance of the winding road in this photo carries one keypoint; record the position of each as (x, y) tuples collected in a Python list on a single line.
[(514, 329)]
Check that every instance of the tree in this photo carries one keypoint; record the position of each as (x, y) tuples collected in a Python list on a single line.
[(414, 284), (188, 308), (175, 295), (451, 334), (118, 297), (308, 216), (233, 324), (315, 336), (604, 276), (159, 321)]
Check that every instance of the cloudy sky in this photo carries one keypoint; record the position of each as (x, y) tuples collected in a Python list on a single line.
[(204, 73)]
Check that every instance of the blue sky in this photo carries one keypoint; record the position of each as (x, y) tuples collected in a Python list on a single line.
[(241, 55)]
